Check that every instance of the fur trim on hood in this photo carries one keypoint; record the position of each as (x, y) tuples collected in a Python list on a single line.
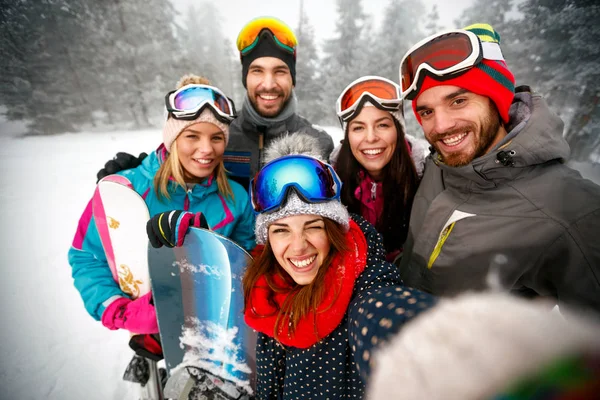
[(294, 143)]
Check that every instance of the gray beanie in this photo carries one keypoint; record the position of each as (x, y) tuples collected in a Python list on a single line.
[(298, 143)]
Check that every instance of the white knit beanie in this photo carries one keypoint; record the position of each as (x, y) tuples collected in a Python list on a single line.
[(298, 143)]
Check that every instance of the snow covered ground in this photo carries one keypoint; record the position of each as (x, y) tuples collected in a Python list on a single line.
[(49, 346)]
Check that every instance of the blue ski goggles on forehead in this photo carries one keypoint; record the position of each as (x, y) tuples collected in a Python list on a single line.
[(313, 180), (188, 102)]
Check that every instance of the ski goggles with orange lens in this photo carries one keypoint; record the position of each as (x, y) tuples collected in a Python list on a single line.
[(250, 35), (313, 180), (380, 92), (189, 101), (442, 55)]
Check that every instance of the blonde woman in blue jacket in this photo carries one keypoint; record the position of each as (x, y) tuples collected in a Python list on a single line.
[(185, 173)]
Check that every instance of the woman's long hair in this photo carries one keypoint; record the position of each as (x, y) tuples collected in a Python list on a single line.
[(301, 299), (170, 175), (400, 182)]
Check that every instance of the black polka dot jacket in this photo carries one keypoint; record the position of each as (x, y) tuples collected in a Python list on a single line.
[(338, 366)]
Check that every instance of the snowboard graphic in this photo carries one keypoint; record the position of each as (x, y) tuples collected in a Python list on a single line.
[(120, 215), (199, 302)]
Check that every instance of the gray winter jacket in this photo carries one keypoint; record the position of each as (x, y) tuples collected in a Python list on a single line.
[(516, 214), (243, 155)]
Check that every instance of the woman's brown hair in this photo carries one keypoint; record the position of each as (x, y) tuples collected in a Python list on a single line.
[(400, 182), (301, 299)]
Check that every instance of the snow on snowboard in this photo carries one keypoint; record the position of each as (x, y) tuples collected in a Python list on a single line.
[(199, 301)]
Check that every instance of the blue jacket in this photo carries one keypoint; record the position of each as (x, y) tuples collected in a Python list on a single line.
[(337, 366), (91, 273)]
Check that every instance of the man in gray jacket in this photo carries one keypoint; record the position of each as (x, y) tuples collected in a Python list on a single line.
[(496, 204), (268, 53)]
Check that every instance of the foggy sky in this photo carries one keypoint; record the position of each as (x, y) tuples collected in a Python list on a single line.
[(321, 13)]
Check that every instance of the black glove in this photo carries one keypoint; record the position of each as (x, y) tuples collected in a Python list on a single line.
[(120, 162), (162, 228)]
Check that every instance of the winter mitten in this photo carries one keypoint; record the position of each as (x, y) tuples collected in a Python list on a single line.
[(136, 316), (169, 228), (120, 162)]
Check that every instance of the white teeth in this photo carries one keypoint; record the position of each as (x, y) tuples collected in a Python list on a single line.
[(303, 263), (373, 152), (202, 161), (268, 96), (453, 140)]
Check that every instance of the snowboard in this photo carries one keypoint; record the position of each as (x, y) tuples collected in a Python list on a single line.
[(199, 302), (121, 214)]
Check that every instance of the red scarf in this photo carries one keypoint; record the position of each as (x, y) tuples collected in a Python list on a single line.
[(339, 281)]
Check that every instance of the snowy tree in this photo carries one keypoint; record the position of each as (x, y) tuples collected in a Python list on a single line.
[(494, 12), (432, 22), (204, 45), (347, 55), (309, 85), (67, 62), (559, 55)]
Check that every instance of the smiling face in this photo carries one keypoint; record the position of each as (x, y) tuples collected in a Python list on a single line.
[(269, 85), (372, 136), (200, 149), (300, 245), (459, 124)]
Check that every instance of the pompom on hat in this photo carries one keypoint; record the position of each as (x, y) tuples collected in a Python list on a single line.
[(173, 127), (298, 143), (490, 78)]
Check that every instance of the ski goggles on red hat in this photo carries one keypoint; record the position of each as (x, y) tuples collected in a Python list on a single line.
[(189, 101), (380, 92), (250, 35), (313, 180), (442, 55)]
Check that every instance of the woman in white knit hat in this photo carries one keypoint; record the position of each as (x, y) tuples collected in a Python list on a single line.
[(183, 184), (319, 282)]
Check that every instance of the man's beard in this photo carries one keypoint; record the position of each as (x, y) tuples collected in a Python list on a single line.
[(490, 126), (270, 113)]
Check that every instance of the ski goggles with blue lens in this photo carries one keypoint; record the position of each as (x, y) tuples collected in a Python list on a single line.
[(189, 101), (251, 33), (313, 180)]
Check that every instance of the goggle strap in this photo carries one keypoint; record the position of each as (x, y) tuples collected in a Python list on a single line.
[(492, 51)]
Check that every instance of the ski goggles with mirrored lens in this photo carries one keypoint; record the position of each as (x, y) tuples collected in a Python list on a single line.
[(250, 35), (381, 92), (313, 180), (442, 55), (189, 101)]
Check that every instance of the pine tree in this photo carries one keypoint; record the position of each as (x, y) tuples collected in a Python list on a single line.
[(204, 44), (398, 32), (561, 52), (309, 85), (346, 55), (432, 22)]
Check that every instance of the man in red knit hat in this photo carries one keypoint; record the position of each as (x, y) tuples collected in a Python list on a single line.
[(496, 202)]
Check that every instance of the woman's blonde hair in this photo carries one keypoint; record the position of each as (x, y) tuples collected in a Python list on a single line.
[(171, 173)]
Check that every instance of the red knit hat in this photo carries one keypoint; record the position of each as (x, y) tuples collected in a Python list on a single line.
[(490, 78)]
